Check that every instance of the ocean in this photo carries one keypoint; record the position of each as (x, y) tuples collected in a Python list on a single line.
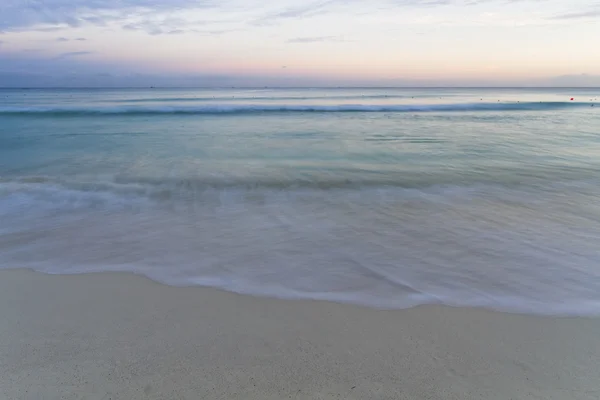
[(387, 197)]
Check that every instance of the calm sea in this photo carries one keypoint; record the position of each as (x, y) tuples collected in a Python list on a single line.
[(382, 197)]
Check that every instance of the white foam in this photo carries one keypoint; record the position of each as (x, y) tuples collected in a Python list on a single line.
[(516, 249), (257, 108)]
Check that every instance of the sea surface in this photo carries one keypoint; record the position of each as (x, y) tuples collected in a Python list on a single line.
[(387, 198)]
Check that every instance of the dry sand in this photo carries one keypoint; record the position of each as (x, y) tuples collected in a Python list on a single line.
[(119, 336)]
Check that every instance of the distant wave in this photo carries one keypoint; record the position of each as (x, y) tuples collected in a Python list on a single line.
[(265, 108), (272, 98)]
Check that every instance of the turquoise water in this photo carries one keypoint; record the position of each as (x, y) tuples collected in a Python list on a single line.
[(382, 197)]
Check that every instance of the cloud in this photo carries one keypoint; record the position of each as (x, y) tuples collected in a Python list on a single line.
[(62, 39), (81, 39), (153, 28), (148, 27), (305, 10), (297, 11), (145, 15), (176, 26), (428, 3), (314, 39), (49, 29), (593, 13), (74, 54), (17, 15), (319, 7)]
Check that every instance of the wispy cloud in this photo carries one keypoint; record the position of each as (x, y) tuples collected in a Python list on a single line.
[(157, 27), (74, 54), (305, 10), (309, 9), (19, 14), (320, 7), (148, 27), (81, 39), (176, 26), (428, 3), (62, 39), (314, 39), (145, 15), (593, 13), (49, 29)]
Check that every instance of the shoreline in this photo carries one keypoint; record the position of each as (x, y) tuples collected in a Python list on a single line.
[(121, 335)]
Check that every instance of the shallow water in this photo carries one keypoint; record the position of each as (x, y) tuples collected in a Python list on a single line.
[(382, 197)]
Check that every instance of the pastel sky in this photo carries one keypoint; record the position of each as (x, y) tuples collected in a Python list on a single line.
[(297, 43)]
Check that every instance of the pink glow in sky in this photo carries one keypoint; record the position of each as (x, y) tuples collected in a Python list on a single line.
[(347, 41)]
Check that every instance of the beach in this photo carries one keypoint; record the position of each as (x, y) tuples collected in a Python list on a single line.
[(307, 200), (121, 336), (299, 243)]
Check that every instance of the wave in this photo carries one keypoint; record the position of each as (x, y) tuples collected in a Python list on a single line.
[(532, 177), (273, 98), (266, 108), (42, 194), (514, 249)]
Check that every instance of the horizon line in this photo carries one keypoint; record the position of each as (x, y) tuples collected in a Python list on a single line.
[(295, 87)]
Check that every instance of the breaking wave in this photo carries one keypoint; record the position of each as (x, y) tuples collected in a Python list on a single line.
[(269, 108)]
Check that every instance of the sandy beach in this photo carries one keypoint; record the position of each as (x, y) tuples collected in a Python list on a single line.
[(120, 336)]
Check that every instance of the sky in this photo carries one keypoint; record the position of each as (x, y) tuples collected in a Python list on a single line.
[(299, 43)]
